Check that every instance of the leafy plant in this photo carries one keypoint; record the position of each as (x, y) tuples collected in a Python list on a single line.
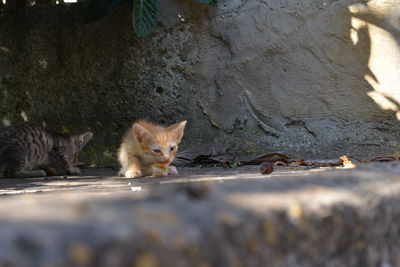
[(144, 13)]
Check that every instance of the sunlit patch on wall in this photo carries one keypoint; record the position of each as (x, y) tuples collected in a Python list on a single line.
[(356, 24), (375, 40), (384, 69), (385, 102), (358, 8)]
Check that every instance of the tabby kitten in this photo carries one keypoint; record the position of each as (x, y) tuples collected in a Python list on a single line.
[(148, 149), (26, 147)]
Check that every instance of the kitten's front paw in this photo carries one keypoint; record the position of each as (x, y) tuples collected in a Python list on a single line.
[(132, 174), (74, 171), (172, 170), (158, 172)]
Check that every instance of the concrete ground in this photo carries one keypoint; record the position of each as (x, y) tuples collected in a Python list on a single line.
[(104, 180), (295, 216)]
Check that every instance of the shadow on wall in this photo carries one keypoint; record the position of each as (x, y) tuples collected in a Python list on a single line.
[(376, 24)]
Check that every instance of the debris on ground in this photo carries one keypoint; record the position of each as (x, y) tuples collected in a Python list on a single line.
[(266, 168), (218, 154)]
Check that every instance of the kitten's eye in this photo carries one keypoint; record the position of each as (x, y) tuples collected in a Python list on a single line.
[(157, 151), (172, 148)]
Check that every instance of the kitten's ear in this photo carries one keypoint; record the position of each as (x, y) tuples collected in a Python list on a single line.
[(84, 139), (140, 133), (176, 130)]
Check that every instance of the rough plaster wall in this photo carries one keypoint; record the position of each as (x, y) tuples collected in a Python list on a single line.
[(303, 77), (293, 69)]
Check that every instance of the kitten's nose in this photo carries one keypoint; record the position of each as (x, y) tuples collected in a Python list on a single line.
[(166, 160)]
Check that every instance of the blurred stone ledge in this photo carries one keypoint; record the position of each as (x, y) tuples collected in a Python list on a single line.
[(289, 218)]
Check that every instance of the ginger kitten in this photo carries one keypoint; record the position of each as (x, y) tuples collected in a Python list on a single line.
[(147, 149)]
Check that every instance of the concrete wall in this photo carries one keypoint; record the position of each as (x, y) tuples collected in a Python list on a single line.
[(310, 78)]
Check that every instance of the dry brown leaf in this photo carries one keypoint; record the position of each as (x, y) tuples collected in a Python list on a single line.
[(378, 159), (204, 150), (296, 162), (322, 163), (386, 158), (206, 154), (266, 168), (273, 157), (280, 163)]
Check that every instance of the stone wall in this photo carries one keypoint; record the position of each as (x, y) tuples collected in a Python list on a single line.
[(309, 78)]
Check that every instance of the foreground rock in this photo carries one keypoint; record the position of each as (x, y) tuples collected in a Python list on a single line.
[(235, 217)]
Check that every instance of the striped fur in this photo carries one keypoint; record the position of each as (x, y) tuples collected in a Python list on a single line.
[(29, 150)]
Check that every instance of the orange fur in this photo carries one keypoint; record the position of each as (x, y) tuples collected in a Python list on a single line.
[(148, 149)]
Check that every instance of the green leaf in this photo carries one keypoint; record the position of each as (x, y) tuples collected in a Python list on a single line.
[(145, 14), (210, 2), (99, 8)]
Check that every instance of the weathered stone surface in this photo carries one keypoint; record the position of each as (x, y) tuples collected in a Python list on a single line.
[(305, 77), (293, 217)]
